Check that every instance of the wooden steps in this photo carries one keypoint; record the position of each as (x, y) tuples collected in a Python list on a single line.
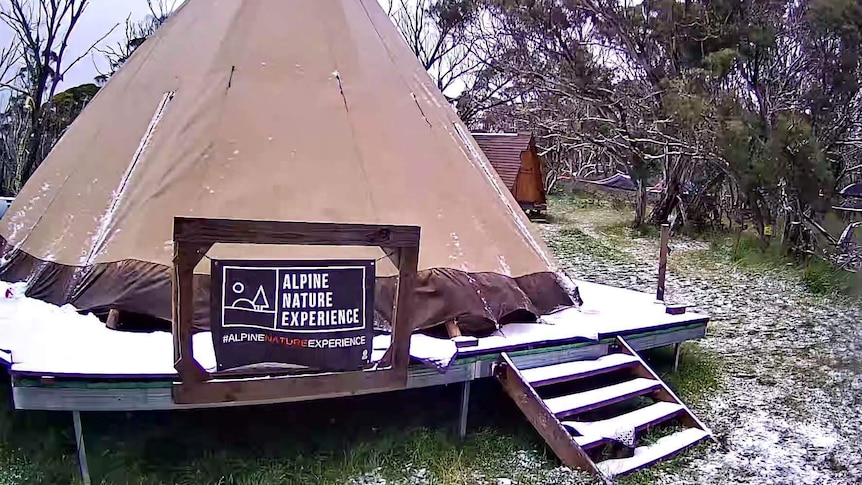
[(601, 399), (604, 396), (662, 449), (595, 432), (554, 374)]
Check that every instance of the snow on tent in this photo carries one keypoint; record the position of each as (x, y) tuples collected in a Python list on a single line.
[(617, 181), (303, 111)]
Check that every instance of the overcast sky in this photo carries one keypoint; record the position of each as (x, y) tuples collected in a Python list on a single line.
[(97, 20)]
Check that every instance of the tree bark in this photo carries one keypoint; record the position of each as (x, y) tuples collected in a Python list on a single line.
[(668, 202), (640, 205)]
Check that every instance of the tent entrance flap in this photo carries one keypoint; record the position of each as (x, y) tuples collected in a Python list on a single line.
[(193, 237)]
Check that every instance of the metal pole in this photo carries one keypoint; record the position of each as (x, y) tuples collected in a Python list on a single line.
[(662, 261), (82, 452), (676, 348), (465, 405)]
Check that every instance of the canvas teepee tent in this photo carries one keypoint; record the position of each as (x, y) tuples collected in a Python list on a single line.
[(304, 110)]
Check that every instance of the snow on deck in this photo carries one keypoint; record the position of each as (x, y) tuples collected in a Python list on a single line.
[(607, 310), (41, 338)]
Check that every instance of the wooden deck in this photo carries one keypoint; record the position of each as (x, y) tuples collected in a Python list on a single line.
[(95, 394)]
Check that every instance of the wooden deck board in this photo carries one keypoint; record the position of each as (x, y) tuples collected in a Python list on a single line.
[(91, 393), (596, 398), (647, 455), (543, 376), (595, 432)]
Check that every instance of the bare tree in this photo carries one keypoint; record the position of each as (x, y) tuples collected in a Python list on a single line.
[(42, 29), (135, 35), (434, 31)]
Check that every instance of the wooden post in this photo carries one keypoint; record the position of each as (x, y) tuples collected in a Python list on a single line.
[(662, 261), (465, 406), (113, 319), (82, 452), (452, 329), (186, 257)]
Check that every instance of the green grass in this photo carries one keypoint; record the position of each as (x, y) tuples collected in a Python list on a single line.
[(577, 219), (404, 437), (625, 230), (652, 436), (574, 211), (699, 371), (571, 243), (817, 275)]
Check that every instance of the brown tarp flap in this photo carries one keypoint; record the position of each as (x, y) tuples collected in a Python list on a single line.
[(301, 110), (478, 301)]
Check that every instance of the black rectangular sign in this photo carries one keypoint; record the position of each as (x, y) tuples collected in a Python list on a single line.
[(317, 314)]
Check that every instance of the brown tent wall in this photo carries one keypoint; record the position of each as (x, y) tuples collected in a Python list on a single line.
[(339, 124)]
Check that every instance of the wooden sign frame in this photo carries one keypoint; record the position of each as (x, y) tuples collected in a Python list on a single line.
[(193, 237)]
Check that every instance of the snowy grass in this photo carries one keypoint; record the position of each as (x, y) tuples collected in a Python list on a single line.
[(787, 351), (746, 255), (699, 373), (570, 243)]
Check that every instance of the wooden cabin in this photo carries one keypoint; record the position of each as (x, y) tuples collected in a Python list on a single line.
[(517, 161)]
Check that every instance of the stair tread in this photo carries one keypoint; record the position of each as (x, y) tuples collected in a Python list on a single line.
[(596, 398), (647, 455), (595, 432), (540, 376)]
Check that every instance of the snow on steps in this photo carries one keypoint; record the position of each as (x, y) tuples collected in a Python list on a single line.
[(647, 455), (571, 439), (569, 371), (596, 398), (596, 432)]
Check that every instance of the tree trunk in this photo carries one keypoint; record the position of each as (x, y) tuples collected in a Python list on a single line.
[(640, 205), (760, 220), (668, 202)]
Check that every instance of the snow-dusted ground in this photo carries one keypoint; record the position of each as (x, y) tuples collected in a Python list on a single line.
[(788, 410)]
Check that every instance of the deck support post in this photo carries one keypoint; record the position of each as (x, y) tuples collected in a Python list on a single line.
[(465, 405), (662, 261), (82, 452), (676, 349)]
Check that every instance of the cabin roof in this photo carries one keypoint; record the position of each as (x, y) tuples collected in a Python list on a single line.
[(504, 152)]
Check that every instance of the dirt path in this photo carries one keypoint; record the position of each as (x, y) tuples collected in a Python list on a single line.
[(787, 410)]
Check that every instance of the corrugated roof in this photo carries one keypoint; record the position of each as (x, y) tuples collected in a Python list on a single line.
[(504, 152)]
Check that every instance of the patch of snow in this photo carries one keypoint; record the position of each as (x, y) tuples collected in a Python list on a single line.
[(373, 477), (45, 338), (504, 266), (458, 255)]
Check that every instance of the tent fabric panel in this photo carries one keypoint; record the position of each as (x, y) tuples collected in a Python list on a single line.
[(478, 301)]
